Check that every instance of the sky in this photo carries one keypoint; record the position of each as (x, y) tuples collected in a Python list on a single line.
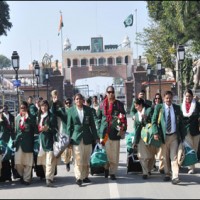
[(35, 27)]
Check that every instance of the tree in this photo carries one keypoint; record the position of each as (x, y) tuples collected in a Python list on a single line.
[(4, 62), (4, 18), (172, 23), (180, 19)]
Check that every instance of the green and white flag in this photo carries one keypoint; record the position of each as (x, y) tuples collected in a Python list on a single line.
[(129, 21)]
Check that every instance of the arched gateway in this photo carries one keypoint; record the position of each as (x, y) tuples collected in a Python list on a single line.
[(97, 59)]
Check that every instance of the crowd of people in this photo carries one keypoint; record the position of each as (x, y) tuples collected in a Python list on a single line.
[(171, 124), (88, 122)]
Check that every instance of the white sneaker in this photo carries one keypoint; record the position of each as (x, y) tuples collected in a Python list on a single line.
[(191, 171)]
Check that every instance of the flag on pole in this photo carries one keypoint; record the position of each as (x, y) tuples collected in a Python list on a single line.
[(60, 24), (128, 21)]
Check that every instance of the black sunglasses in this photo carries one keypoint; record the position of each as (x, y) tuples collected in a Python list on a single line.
[(157, 98), (67, 103), (22, 107), (110, 92)]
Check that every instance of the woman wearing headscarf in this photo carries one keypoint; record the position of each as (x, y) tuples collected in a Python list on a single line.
[(191, 118), (25, 127)]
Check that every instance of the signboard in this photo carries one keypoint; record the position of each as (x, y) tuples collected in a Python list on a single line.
[(17, 83)]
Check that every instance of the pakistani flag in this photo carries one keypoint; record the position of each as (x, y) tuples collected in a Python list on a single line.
[(129, 21)]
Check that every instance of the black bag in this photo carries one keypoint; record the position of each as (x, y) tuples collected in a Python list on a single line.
[(6, 171), (96, 170), (133, 163)]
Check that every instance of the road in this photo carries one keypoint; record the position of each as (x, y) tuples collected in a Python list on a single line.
[(127, 186)]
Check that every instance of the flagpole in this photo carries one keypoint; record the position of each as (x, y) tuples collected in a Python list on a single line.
[(136, 33), (62, 71)]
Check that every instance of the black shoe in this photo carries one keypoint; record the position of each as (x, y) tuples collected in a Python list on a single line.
[(175, 181), (86, 180), (21, 180), (112, 177), (49, 183), (106, 173), (166, 178), (79, 182), (149, 173), (144, 176), (161, 171), (26, 183), (68, 167)]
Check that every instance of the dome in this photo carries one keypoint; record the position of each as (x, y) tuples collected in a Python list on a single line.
[(67, 45), (126, 42)]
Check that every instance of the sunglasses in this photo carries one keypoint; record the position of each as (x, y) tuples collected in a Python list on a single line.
[(67, 103), (22, 107), (157, 98), (110, 92)]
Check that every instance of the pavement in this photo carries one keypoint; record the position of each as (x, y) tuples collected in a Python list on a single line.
[(127, 186)]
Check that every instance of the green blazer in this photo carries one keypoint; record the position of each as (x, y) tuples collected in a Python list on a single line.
[(60, 112), (133, 111), (48, 137), (77, 130), (191, 124), (139, 125), (161, 127), (7, 129), (118, 107), (33, 109), (25, 138)]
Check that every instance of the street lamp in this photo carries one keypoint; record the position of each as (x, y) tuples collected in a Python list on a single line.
[(37, 74), (148, 75), (47, 80), (15, 64), (33, 64), (180, 58), (159, 68)]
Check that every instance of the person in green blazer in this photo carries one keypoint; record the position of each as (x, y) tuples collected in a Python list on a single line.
[(110, 111), (31, 106), (146, 152), (170, 131), (61, 113), (147, 103), (25, 128), (47, 128), (191, 120), (82, 131)]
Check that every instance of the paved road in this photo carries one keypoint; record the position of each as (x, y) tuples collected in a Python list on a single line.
[(127, 186)]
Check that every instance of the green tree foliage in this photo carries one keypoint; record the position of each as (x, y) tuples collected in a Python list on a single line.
[(180, 20), (172, 23), (4, 18), (4, 62)]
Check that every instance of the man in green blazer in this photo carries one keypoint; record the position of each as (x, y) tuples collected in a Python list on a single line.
[(167, 126), (82, 131)]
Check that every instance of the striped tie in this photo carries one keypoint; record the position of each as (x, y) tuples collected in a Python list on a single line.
[(169, 122)]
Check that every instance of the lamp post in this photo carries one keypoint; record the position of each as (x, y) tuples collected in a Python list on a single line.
[(47, 80), (180, 59), (37, 74), (159, 68), (15, 64), (33, 64), (148, 75)]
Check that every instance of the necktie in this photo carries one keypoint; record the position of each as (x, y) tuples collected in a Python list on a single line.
[(169, 121)]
